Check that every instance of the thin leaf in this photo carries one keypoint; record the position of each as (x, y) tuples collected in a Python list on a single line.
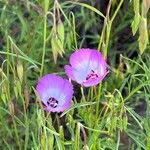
[(77, 106), (89, 7)]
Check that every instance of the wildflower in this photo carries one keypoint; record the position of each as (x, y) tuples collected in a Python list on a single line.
[(55, 93), (87, 67)]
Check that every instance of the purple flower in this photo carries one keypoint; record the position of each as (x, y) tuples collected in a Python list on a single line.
[(55, 93), (87, 67)]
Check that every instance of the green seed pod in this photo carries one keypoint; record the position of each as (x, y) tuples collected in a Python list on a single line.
[(20, 71), (11, 108), (143, 38)]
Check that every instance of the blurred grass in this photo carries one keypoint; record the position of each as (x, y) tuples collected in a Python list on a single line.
[(113, 115)]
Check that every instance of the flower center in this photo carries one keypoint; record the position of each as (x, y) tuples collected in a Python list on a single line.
[(92, 75), (52, 102)]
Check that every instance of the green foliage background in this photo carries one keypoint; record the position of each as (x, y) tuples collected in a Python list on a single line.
[(38, 36)]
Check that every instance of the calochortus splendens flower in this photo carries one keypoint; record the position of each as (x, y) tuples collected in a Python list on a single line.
[(87, 67), (55, 93)]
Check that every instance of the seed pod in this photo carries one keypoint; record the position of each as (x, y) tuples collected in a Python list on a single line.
[(26, 95), (50, 138), (3, 96), (20, 71), (43, 141), (46, 5), (135, 23), (11, 108), (137, 17), (125, 122), (57, 40), (85, 147), (143, 38), (4, 84), (4, 92), (114, 122), (147, 5)]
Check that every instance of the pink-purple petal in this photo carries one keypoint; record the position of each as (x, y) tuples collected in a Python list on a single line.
[(77, 75), (69, 72), (88, 67), (66, 93), (54, 87), (46, 86), (80, 59)]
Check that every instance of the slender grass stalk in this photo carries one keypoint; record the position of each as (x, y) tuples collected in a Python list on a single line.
[(107, 28), (118, 141), (8, 63), (82, 93), (74, 30), (26, 134), (17, 135), (77, 137), (116, 11), (7, 145), (25, 119), (98, 100), (44, 43), (7, 54)]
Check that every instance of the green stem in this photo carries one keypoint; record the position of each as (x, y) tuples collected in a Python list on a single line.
[(97, 101), (74, 31), (115, 13), (109, 25), (102, 36), (8, 63), (83, 96), (44, 44), (16, 134), (107, 28)]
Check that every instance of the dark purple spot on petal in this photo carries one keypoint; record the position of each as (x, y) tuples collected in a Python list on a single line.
[(92, 75), (52, 102)]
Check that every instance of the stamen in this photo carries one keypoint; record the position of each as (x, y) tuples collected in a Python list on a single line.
[(52, 102)]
